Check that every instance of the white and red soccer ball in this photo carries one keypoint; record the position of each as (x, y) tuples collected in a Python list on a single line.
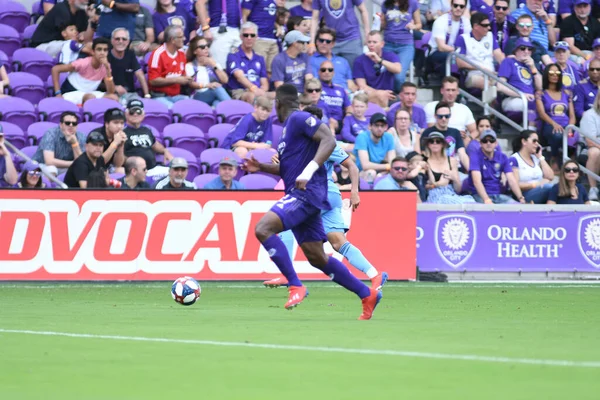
[(185, 290)]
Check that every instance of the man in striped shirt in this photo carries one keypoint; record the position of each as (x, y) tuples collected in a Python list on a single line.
[(543, 25)]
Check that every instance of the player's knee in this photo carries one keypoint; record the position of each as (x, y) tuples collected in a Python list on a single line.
[(593, 153), (317, 259), (263, 231), (336, 241)]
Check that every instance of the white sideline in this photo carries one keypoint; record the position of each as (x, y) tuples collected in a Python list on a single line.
[(397, 353)]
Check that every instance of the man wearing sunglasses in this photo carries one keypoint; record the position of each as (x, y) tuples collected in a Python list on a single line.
[(125, 67), (61, 145), (543, 24), (502, 28), (90, 160), (579, 30), (262, 13), (397, 178), (8, 172), (524, 26), (485, 177), (291, 66), (333, 95), (325, 42), (585, 93)]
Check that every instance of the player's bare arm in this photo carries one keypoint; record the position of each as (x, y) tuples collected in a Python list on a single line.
[(354, 181)]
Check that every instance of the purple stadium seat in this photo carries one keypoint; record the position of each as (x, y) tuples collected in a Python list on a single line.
[(61, 177), (231, 111), (217, 133), (263, 155), (364, 185), (187, 137), (27, 86), (36, 131), (193, 166), (14, 14), (14, 134), (18, 111), (10, 40), (51, 108), (195, 113), (277, 133), (29, 151), (5, 62), (157, 135), (34, 61), (157, 114), (93, 110), (203, 179), (37, 10), (253, 181), (373, 108), (423, 43), (28, 34), (50, 86), (210, 158), (87, 127)]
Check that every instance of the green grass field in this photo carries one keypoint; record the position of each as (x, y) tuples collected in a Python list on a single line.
[(499, 325)]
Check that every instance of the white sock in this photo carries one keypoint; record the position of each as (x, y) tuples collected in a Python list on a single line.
[(372, 273)]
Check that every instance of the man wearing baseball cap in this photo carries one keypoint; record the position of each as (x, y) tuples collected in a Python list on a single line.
[(114, 139), (178, 170), (8, 172), (77, 174), (579, 30), (374, 149), (291, 66), (228, 169)]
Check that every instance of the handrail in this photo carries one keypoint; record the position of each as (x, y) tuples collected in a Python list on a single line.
[(566, 148), (43, 168), (486, 106)]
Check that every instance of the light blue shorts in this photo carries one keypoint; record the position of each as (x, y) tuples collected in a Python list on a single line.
[(333, 221)]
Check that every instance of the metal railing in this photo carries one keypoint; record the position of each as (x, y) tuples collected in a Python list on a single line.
[(486, 78), (43, 168), (566, 148)]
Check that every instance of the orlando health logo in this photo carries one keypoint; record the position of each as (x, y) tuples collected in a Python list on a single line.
[(588, 239), (455, 237)]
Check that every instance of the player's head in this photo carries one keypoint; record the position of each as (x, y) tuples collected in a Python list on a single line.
[(262, 108), (286, 99)]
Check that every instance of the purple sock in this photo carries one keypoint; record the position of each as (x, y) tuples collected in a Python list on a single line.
[(282, 259), (343, 277)]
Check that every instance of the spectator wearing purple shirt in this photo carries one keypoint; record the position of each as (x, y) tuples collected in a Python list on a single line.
[(304, 9), (340, 15), (408, 100), (291, 66), (401, 17), (167, 14), (485, 175), (521, 73), (247, 70), (8, 172), (333, 95), (325, 40), (374, 71), (262, 13), (253, 131), (571, 71), (586, 91), (222, 26), (355, 123)]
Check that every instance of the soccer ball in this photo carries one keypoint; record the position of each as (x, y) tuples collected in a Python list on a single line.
[(185, 290)]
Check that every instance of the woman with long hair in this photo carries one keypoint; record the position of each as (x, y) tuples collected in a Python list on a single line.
[(208, 76), (31, 177), (443, 173), (590, 125), (530, 168), (168, 13), (399, 19), (405, 138), (568, 190)]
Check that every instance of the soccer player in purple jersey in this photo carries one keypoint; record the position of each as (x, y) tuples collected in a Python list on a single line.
[(305, 145)]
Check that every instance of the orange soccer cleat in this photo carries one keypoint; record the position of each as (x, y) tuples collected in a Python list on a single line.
[(378, 281), (274, 283), (297, 295), (369, 303)]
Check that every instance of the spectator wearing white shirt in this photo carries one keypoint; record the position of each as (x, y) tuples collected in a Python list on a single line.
[(590, 125)]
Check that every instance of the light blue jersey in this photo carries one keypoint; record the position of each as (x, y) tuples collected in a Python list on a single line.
[(332, 219)]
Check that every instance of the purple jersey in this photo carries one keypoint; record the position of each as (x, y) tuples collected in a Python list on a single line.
[(418, 115), (352, 127), (571, 75), (296, 149), (290, 70), (517, 74), (396, 20), (491, 170), (180, 17), (250, 130), (558, 110), (583, 97), (336, 99), (376, 75), (300, 12), (254, 68), (482, 7), (262, 13), (215, 12), (340, 15)]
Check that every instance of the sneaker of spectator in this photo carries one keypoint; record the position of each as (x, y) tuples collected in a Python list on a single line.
[(355, 122), (126, 67), (291, 66), (228, 169), (90, 160), (220, 27), (144, 37), (85, 76), (585, 93), (590, 126), (374, 71), (520, 72), (263, 14), (166, 68), (374, 150), (342, 75), (524, 27), (579, 30), (208, 76), (253, 131), (333, 95), (247, 70), (135, 174), (8, 172), (61, 145), (571, 71), (178, 169), (31, 176)]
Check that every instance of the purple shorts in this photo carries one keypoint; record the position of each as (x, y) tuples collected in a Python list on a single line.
[(303, 218)]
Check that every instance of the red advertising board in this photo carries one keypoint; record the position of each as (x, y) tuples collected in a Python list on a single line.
[(127, 235)]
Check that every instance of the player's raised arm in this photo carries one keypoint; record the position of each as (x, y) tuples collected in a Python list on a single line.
[(326, 141), (354, 181)]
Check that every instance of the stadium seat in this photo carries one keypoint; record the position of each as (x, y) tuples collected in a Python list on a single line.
[(18, 111), (217, 134), (277, 133), (203, 179), (263, 155), (274, 120), (5, 62), (51, 108), (193, 166), (37, 11), (33, 61), (27, 86), (28, 34), (157, 114), (364, 185), (373, 108), (15, 15), (87, 127), (187, 137), (36, 131), (210, 158), (50, 85), (14, 134), (231, 111), (29, 151), (10, 40), (254, 181), (195, 113), (93, 110)]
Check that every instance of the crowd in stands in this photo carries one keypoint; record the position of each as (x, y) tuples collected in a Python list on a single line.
[(123, 78)]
